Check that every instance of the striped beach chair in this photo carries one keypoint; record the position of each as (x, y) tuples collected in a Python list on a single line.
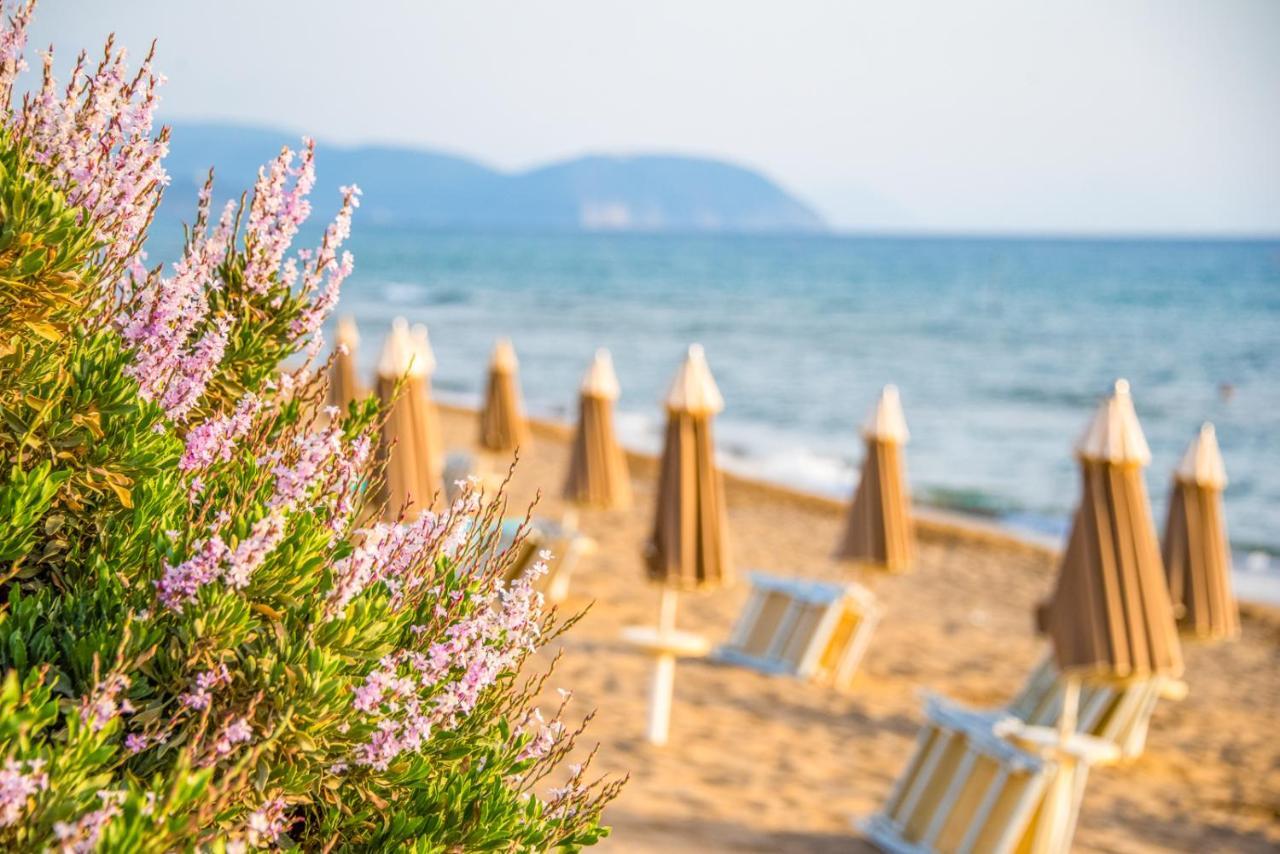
[(567, 548), (973, 786), (811, 630), (1119, 713)]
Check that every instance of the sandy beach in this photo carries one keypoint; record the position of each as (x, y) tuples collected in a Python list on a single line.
[(762, 763)]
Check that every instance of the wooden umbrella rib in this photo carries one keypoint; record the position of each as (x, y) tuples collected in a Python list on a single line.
[(1127, 534)]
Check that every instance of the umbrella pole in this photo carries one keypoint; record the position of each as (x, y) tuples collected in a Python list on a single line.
[(1053, 835), (1070, 707), (664, 673)]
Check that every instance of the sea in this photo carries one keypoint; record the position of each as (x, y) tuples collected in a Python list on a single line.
[(1001, 349)]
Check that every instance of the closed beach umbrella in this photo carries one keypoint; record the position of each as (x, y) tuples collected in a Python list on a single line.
[(689, 546), (424, 361), (410, 443), (1110, 616), (598, 476), (502, 425), (1197, 557), (344, 383), (879, 532)]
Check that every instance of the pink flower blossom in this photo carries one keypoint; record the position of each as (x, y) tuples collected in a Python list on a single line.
[(545, 736), (276, 212), (349, 479), (82, 836), (410, 694), (266, 823), (184, 387), (13, 41), (162, 316), (103, 705), (561, 799), (385, 553), (214, 439), (94, 138), (180, 583), (214, 561), (250, 553), (323, 278), (205, 683), (309, 463), (19, 782), (93, 135), (236, 732)]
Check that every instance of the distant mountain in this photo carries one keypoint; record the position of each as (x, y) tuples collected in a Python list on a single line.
[(404, 186)]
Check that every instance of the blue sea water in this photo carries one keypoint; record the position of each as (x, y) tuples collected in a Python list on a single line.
[(1001, 348)]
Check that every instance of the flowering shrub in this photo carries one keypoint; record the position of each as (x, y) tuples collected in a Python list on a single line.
[(208, 641)]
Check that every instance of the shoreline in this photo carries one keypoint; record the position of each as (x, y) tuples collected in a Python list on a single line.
[(932, 523)]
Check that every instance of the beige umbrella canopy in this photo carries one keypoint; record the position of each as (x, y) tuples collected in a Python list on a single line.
[(598, 476), (410, 444), (689, 548), (344, 383), (502, 424), (1197, 558), (424, 358), (1110, 616), (879, 532)]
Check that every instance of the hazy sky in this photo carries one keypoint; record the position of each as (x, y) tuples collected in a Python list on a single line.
[(1079, 116)]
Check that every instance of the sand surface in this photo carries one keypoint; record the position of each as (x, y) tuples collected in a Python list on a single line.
[(764, 763)]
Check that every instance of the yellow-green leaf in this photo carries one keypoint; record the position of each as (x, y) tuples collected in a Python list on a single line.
[(47, 331)]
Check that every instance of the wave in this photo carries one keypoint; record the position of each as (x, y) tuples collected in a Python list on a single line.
[(1042, 396), (419, 294), (404, 293), (767, 454)]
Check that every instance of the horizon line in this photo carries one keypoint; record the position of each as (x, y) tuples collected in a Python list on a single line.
[(870, 232)]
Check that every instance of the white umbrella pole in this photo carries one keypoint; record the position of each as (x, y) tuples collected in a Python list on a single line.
[(664, 673), (1053, 836), (1070, 707)]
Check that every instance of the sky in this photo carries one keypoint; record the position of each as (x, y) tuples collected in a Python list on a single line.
[(1089, 116)]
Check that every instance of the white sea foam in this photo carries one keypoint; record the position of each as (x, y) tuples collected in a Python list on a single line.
[(404, 293)]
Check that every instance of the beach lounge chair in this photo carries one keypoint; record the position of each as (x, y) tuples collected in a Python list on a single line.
[(808, 629), (567, 547), (972, 786), (1119, 713), (460, 465)]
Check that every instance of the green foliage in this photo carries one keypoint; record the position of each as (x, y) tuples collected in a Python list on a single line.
[(43, 248), (95, 510)]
